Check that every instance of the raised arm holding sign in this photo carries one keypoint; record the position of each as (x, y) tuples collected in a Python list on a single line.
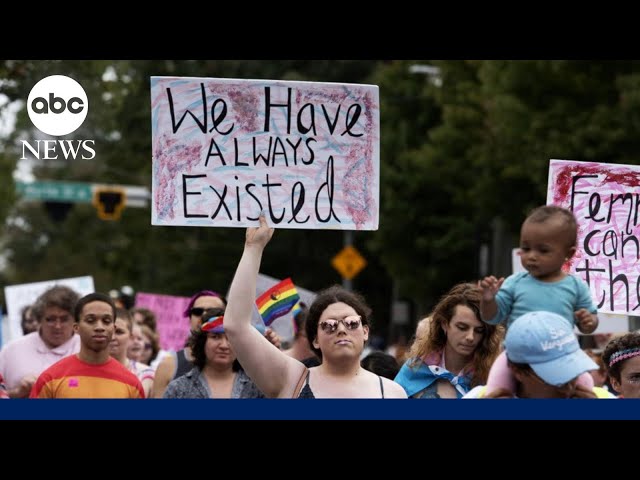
[(337, 328)]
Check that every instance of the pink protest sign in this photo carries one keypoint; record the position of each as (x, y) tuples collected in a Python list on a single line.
[(172, 325), (305, 153), (605, 198)]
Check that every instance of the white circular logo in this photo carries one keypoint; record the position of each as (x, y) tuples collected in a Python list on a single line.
[(57, 105)]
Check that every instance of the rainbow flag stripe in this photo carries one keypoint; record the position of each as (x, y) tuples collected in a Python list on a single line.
[(214, 324), (294, 312), (297, 308), (277, 301)]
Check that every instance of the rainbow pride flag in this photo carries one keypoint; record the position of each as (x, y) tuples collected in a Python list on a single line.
[(277, 301)]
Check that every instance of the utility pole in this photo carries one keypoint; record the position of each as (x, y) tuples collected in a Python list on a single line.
[(348, 242)]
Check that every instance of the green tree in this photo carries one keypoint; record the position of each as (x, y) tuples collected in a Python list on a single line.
[(431, 133), (476, 149), (176, 260)]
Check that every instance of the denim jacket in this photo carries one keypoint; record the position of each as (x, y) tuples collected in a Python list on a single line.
[(193, 385)]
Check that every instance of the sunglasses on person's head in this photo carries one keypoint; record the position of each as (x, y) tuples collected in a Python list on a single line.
[(197, 311), (330, 325)]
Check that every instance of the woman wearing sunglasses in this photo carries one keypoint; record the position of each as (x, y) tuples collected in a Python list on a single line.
[(177, 364), (455, 352), (337, 328)]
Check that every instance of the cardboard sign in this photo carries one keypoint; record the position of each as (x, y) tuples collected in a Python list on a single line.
[(224, 150), (605, 200), (19, 296)]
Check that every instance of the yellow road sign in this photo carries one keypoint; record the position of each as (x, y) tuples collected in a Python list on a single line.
[(109, 202), (348, 262)]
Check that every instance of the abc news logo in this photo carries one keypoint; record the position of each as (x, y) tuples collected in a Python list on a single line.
[(58, 105)]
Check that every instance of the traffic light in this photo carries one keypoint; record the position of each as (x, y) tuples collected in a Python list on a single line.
[(58, 211), (109, 202)]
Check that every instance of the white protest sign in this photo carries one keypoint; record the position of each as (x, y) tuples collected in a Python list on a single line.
[(605, 199), (305, 153), (611, 323), (516, 263), (19, 296)]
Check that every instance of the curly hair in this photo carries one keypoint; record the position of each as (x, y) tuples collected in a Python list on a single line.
[(59, 296), (469, 295), (625, 342), (547, 212)]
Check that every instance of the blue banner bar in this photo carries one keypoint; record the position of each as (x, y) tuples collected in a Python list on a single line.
[(299, 409)]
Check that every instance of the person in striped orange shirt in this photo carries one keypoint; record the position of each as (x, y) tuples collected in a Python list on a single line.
[(92, 373)]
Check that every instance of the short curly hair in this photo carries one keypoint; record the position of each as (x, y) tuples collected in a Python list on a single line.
[(547, 212), (59, 296), (625, 342)]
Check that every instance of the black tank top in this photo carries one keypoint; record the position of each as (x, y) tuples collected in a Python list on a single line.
[(307, 393), (183, 364)]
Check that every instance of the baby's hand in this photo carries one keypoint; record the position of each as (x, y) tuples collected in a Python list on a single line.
[(587, 321), (490, 286)]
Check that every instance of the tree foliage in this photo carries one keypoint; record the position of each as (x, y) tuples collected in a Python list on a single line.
[(457, 152), (176, 260), (456, 157)]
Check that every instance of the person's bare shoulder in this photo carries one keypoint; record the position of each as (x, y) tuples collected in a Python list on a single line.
[(393, 389), (164, 374)]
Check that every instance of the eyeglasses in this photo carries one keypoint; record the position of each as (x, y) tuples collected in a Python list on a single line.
[(52, 319), (330, 325), (196, 311)]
